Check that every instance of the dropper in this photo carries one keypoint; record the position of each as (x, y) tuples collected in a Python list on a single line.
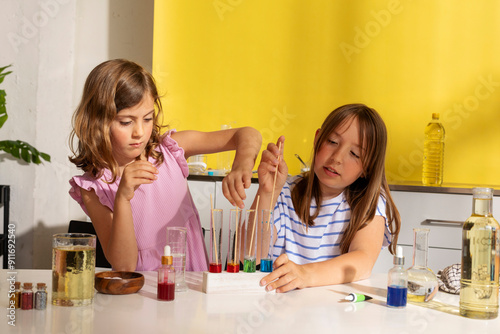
[(167, 256), (399, 258)]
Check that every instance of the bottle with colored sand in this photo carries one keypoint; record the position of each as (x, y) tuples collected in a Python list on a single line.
[(27, 296), (166, 277), (215, 241), (267, 238), (235, 248), (250, 258), (397, 284)]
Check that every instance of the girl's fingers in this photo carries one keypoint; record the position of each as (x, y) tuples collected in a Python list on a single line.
[(279, 271), (235, 193)]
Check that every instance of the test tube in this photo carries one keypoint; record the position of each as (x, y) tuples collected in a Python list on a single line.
[(250, 258), (215, 241), (267, 238), (235, 241)]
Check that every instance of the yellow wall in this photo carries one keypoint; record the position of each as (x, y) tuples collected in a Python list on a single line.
[(281, 66)]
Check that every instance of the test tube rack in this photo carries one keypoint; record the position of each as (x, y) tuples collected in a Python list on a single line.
[(241, 282)]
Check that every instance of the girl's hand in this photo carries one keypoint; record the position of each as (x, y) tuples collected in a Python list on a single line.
[(235, 183), (134, 174), (286, 276), (271, 162)]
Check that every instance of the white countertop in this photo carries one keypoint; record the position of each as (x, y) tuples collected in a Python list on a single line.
[(307, 311)]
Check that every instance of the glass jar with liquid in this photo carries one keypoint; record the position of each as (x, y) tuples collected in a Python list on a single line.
[(480, 259), (422, 282)]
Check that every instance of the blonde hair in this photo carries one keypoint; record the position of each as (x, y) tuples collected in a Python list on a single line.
[(110, 87), (363, 194)]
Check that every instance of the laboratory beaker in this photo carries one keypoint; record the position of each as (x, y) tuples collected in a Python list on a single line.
[(422, 282), (215, 241), (177, 240)]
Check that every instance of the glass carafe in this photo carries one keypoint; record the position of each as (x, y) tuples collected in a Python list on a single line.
[(422, 282), (480, 259)]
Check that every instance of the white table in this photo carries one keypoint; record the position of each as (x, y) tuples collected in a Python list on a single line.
[(307, 311)]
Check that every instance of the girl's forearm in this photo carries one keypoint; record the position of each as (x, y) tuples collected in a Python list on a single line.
[(349, 267), (247, 143), (122, 244)]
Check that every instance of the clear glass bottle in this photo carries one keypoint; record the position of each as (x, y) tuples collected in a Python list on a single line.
[(432, 170), (422, 282), (27, 296), (41, 296), (166, 277), (397, 283), (16, 296), (480, 259)]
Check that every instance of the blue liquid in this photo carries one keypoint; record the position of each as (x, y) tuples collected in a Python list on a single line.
[(266, 265), (396, 296)]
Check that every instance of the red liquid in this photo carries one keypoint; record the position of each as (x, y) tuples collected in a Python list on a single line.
[(166, 291), (233, 268), (27, 300), (215, 268)]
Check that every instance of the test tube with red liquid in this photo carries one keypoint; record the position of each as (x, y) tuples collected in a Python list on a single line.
[(235, 248), (215, 241)]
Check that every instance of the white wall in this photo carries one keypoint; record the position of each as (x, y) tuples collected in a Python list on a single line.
[(53, 45)]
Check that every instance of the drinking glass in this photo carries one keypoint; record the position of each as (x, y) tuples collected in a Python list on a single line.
[(73, 268)]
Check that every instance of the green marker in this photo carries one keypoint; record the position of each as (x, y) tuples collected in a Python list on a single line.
[(357, 297)]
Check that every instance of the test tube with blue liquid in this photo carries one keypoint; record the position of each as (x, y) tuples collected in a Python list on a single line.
[(267, 238), (250, 258)]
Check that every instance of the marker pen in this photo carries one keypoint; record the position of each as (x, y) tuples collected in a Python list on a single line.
[(357, 297)]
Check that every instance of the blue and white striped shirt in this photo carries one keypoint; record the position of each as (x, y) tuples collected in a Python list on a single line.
[(319, 242)]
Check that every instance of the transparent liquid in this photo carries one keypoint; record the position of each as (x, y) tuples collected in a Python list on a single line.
[(422, 284), (73, 275), (480, 262), (179, 264)]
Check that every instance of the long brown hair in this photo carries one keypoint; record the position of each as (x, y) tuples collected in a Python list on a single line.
[(110, 87), (362, 195)]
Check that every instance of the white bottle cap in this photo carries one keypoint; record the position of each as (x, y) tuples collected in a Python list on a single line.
[(399, 258)]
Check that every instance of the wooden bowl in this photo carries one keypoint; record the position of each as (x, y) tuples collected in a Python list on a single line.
[(118, 282)]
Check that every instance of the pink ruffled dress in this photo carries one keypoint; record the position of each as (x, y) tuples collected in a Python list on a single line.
[(165, 202)]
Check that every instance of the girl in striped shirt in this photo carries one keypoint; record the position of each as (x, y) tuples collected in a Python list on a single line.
[(332, 221)]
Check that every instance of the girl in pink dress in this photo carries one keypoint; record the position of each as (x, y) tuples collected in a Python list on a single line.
[(135, 179)]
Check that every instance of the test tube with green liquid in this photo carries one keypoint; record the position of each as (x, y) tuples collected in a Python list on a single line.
[(250, 257)]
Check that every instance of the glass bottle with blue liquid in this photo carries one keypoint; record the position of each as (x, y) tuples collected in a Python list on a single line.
[(397, 285)]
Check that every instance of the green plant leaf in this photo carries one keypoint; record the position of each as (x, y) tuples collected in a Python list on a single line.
[(3, 109), (22, 150), (3, 75), (18, 149)]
